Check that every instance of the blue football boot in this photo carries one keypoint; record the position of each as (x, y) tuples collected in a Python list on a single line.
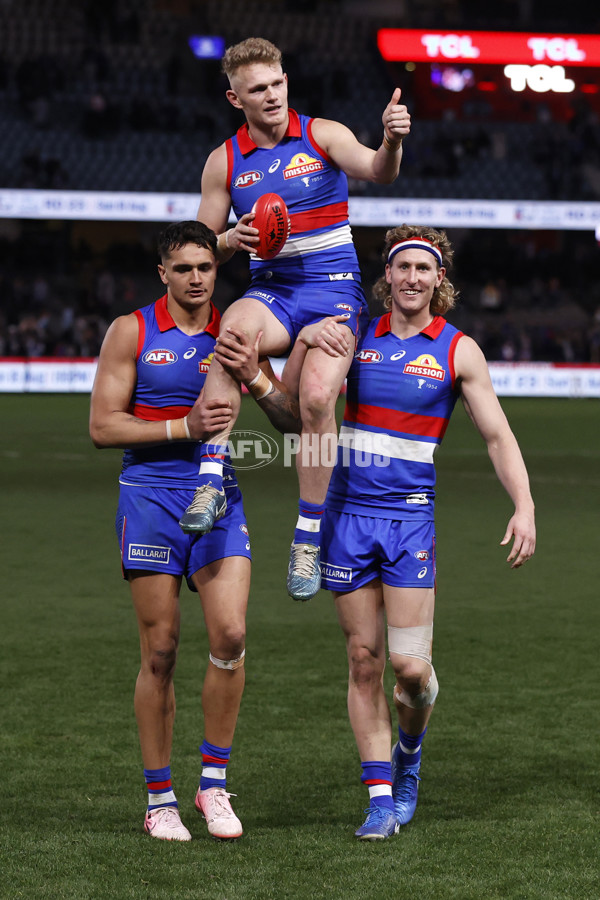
[(380, 824), (405, 787)]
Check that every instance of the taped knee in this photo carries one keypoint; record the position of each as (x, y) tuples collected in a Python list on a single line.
[(425, 698), (416, 641), (228, 663)]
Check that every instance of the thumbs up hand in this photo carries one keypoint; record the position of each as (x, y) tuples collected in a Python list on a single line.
[(396, 119)]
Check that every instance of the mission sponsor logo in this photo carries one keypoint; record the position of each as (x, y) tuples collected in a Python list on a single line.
[(336, 573), (369, 356), (247, 179), (301, 164), (159, 357), (204, 364), (148, 553), (425, 365)]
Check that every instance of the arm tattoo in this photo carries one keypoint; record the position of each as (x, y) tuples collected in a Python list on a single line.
[(283, 411)]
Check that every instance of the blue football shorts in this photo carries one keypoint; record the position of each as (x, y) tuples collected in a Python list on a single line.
[(150, 538), (357, 549), (297, 304)]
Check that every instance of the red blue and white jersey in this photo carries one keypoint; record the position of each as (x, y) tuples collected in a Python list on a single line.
[(171, 370), (315, 192), (400, 396)]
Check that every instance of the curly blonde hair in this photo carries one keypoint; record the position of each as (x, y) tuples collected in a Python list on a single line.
[(252, 50), (444, 296)]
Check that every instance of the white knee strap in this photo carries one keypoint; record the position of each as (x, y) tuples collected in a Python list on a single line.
[(416, 641), (425, 698), (227, 663)]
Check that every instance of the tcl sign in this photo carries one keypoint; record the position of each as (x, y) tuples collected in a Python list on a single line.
[(504, 47), (556, 49), (539, 79)]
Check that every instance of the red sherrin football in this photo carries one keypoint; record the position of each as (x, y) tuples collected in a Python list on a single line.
[(273, 222)]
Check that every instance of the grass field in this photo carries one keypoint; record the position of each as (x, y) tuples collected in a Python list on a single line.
[(509, 798)]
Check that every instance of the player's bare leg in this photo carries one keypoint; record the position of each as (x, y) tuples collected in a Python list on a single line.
[(410, 613), (209, 504), (320, 385), (155, 599), (361, 616), (223, 587)]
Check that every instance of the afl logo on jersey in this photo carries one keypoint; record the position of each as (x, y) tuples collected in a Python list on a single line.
[(345, 306), (369, 356), (247, 179), (159, 357)]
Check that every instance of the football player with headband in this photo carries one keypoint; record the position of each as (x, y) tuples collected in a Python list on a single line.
[(147, 399), (306, 161), (378, 534)]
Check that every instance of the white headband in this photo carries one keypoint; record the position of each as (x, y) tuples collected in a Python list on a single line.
[(416, 244)]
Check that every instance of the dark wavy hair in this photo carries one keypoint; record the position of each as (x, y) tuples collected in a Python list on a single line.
[(444, 296), (178, 234)]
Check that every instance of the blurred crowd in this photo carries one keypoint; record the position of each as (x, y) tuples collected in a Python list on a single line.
[(523, 295), (106, 95), (109, 96)]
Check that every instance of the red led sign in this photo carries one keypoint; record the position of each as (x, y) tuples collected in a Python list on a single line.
[(412, 45)]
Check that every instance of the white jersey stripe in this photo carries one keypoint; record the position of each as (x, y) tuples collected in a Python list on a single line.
[(314, 243), (381, 444)]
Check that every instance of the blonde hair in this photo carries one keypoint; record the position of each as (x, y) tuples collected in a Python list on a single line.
[(252, 50), (444, 296)]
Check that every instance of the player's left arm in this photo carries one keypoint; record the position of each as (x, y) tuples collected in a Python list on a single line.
[(380, 166), (113, 424), (483, 407)]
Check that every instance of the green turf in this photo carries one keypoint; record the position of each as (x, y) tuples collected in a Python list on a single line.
[(509, 798)]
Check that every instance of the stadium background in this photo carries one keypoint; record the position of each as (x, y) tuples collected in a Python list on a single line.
[(508, 804), (110, 97)]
